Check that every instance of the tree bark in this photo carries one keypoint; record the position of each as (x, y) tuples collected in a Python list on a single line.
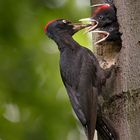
[(121, 94)]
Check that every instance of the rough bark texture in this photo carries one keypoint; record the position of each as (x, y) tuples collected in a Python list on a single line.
[(122, 91)]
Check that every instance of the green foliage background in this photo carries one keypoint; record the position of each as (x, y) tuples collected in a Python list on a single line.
[(33, 101)]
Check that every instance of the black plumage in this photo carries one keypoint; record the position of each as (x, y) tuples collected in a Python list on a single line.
[(80, 71), (109, 33), (113, 30), (105, 20), (103, 15)]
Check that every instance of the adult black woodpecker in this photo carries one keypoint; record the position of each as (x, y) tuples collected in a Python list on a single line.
[(81, 74)]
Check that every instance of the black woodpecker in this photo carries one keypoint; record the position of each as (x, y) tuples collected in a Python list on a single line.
[(104, 18), (103, 15), (81, 74), (109, 33)]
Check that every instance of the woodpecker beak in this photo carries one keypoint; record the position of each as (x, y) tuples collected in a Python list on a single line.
[(78, 26), (102, 33), (93, 25), (97, 5)]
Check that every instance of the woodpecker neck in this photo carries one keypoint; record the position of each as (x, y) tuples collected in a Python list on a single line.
[(64, 40)]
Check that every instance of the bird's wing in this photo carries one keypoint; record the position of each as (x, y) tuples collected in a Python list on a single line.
[(82, 91), (72, 93), (88, 91), (76, 105)]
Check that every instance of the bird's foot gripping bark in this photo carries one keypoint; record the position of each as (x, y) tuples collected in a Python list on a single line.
[(113, 69), (108, 73), (108, 83)]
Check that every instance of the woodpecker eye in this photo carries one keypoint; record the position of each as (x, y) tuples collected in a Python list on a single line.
[(111, 29), (64, 21), (101, 17)]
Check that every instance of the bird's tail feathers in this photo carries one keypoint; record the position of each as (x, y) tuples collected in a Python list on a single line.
[(106, 129)]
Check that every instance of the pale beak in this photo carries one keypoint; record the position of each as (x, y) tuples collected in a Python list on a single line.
[(97, 5), (94, 23), (106, 34), (79, 26)]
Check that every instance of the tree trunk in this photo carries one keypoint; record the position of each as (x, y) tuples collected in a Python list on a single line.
[(122, 91)]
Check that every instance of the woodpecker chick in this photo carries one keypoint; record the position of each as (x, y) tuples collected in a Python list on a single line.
[(104, 19), (109, 33), (104, 15)]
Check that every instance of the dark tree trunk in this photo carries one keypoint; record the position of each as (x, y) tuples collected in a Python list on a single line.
[(121, 95)]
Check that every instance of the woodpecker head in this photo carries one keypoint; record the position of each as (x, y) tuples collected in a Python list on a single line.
[(103, 15), (109, 33), (62, 26)]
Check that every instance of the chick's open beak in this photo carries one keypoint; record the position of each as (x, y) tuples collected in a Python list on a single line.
[(93, 25), (97, 5), (103, 34)]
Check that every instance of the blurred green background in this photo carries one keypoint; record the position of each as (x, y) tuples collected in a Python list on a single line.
[(33, 101)]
